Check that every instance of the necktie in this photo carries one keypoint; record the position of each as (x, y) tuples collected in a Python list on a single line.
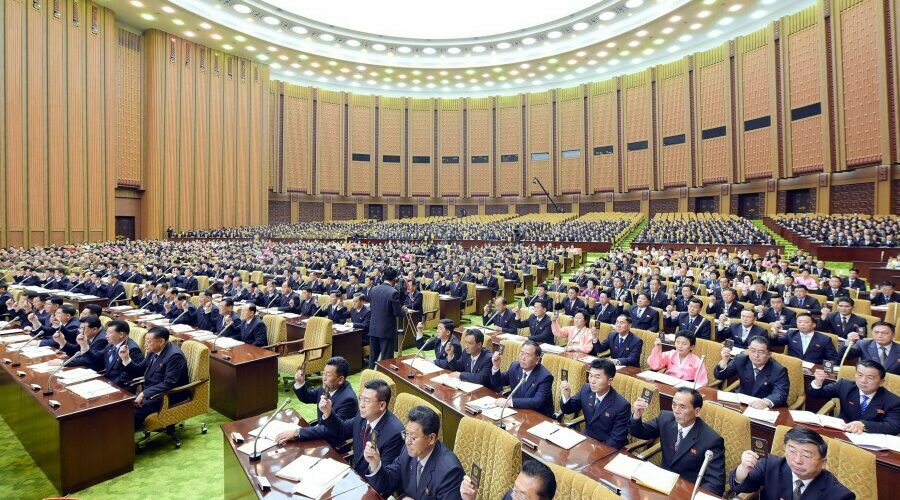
[(746, 333), (524, 377), (679, 438), (112, 355), (621, 342), (864, 404), (755, 372), (152, 362), (804, 341), (882, 356), (844, 323), (798, 489), (365, 434), (419, 470), (473, 364), (640, 312)]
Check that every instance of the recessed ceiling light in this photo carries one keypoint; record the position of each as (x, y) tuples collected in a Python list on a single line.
[(300, 30), (216, 36), (673, 48), (250, 48), (240, 38), (554, 35), (206, 26), (757, 14), (352, 43), (190, 34), (709, 2), (404, 50), (379, 47), (736, 7), (610, 45), (168, 10), (696, 26), (361, 68), (263, 57), (227, 47), (703, 14), (602, 53), (243, 9), (148, 16), (581, 53), (504, 45), (478, 49), (642, 33), (572, 61), (607, 16), (303, 57), (633, 4), (388, 70), (429, 50), (674, 19), (528, 41), (667, 30), (725, 21), (326, 37), (271, 20), (332, 63), (580, 26), (271, 48), (685, 38), (177, 22), (137, 4), (658, 41), (454, 50), (714, 33), (552, 60)]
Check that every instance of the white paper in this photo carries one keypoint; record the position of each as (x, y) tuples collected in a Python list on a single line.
[(735, 397), (646, 473), (228, 342), (544, 430), (290, 315), (160, 322), (33, 352), (511, 336), (92, 389), (12, 339), (424, 366), (494, 413), (264, 444), (153, 316), (44, 367), (181, 328), (76, 375), (560, 436), (456, 383), (875, 441), (120, 308), (483, 403), (764, 415), (807, 365), (663, 378), (551, 348), (11, 331), (275, 428)]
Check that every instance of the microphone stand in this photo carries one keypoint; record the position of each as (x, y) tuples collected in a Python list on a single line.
[(412, 374), (700, 367), (180, 315), (706, 459), (256, 455), (113, 301), (36, 336), (228, 326), (277, 294), (500, 423), (49, 390)]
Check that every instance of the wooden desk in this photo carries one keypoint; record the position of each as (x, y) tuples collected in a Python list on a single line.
[(632, 490), (241, 473), (483, 296), (450, 309), (528, 281), (348, 345), (509, 291), (541, 275), (80, 304), (79, 444)]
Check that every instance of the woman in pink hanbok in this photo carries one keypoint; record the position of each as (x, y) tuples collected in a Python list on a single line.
[(681, 362)]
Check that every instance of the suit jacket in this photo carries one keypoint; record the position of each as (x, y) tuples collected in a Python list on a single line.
[(189, 283), (250, 332), (507, 321), (622, 295), (206, 321), (385, 304), (540, 331), (809, 303), (718, 308), (736, 332), (481, 374), (882, 415), (360, 318), (606, 422), (537, 392), (688, 458), (182, 317), (97, 344), (338, 316), (344, 405), (546, 299), (70, 331), (757, 299), (819, 349), (163, 371), (699, 325), (833, 324), (647, 320), (881, 299), (570, 307), (771, 316), (773, 475), (681, 303), (858, 284), (606, 315), (440, 478), (115, 292), (108, 359), (491, 282), (659, 299), (390, 441), (628, 353), (772, 383), (440, 355), (832, 294), (868, 349), (459, 290)]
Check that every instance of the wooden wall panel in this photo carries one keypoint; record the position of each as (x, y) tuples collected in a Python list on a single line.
[(805, 97), (756, 106), (242, 166), (201, 146), (510, 161), (276, 148), (217, 198), (450, 139), (713, 100), (185, 185), (362, 141), (480, 132), (57, 127), (16, 125), (570, 137), (673, 104), (129, 79), (329, 142), (638, 133), (604, 136), (297, 138), (539, 140), (421, 147), (36, 135), (259, 141), (391, 175)]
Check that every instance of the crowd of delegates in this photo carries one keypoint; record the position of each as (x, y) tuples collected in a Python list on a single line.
[(301, 230), (845, 230), (713, 231)]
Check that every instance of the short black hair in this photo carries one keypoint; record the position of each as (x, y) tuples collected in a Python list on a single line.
[(68, 309), (251, 307), (537, 347), (381, 388), (94, 309), (761, 339), (159, 332), (478, 334), (449, 325), (341, 366), (845, 299), (604, 364), (688, 335), (183, 296), (92, 322), (57, 301), (883, 323), (696, 397), (807, 436), (538, 469), (119, 325), (871, 363), (390, 274), (425, 417)]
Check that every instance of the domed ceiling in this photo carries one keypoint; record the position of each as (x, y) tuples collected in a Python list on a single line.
[(457, 48)]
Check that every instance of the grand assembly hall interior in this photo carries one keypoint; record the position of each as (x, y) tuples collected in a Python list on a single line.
[(419, 250)]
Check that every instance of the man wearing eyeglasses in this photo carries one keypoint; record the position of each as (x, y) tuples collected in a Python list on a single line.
[(799, 474), (536, 390), (760, 375), (428, 469), (373, 423)]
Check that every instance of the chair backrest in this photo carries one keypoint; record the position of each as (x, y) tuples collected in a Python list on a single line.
[(431, 302), (497, 452), (713, 352), (835, 340), (630, 388), (406, 402), (469, 306), (276, 328), (794, 368), (129, 289), (104, 320), (576, 370), (662, 318), (137, 334), (511, 350), (197, 355), (368, 375), (572, 485), (257, 276), (733, 427), (861, 306), (318, 333), (853, 467), (649, 338), (202, 282)]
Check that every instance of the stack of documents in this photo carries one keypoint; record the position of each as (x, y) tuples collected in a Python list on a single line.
[(275, 428), (152, 316), (644, 473), (182, 328), (228, 342), (92, 389), (44, 367), (808, 417), (734, 397), (201, 334), (11, 331), (290, 315), (34, 351), (135, 312), (560, 436), (14, 338), (76, 375), (764, 415), (456, 383), (120, 308), (874, 441), (270, 310), (343, 328), (423, 365), (159, 322), (264, 444), (315, 476), (552, 349), (512, 336)]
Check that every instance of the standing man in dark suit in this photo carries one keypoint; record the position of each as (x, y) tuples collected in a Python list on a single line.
[(690, 320), (164, 368), (805, 342), (624, 347), (386, 306), (684, 438), (250, 329), (881, 347), (866, 406), (427, 469), (334, 388), (843, 321), (605, 411), (108, 359), (372, 422), (475, 363), (799, 474), (536, 392), (760, 376)]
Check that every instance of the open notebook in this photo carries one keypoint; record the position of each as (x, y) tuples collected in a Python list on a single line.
[(314, 476), (643, 473)]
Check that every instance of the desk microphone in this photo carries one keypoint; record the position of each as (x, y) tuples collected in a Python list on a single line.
[(49, 390), (500, 423), (73, 286), (706, 459), (700, 367), (213, 349), (113, 301), (277, 294), (256, 455), (412, 374), (488, 322), (39, 334), (180, 315)]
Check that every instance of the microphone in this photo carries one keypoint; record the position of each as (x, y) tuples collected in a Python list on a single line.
[(413, 360), (488, 322), (700, 367), (49, 390), (180, 315), (113, 301), (256, 455), (706, 459), (213, 348), (277, 294), (73, 286), (500, 423), (18, 362)]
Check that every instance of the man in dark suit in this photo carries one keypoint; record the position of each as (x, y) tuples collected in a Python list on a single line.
[(728, 305), (334, 388), (619, 292), (820, 271), (250, 329), (444, 344), (360, 316), (386, 305), (834, 290), (425, 469), (805, 342), (557, 285), (604, 311), (536, 392), (643, 316), (572, 303), (802, 300), (502, 319), (536, 481), (164, 368), (760, 376), (843, 321), (335, 311), (227, 317), (438, 284), (541, 295), (605, 411), (475, 363), (373, 422), (108, 358), (207, 314), (690, 320), (458, 289), (758, 296), (189, 282), (742, 332), (777, 312), (684, 438), (184, 312), (115, 291), (866, 406), (490, 281), (538, 324), (799, 474), (624, 347), (92, 337), (884, 295), (657, 295), (64, 322), (854, 281), (681, 302), (881, 347)]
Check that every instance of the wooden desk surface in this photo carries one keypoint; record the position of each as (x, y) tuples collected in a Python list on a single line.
[(351, 487)]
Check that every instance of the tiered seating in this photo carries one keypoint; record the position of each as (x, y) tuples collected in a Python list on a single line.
[(848, 230), (705, 228)]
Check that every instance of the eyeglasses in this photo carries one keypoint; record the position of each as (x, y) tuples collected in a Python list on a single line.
[(759, 352), (805, 455), (409, 438)]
